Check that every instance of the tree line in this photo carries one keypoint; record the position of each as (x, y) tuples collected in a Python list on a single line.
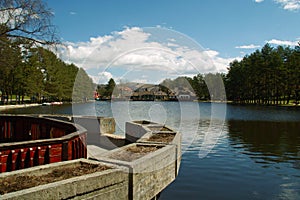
[(38, 73), (269, 76)]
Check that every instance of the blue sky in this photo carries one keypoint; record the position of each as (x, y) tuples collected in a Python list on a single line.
[(226, 29)]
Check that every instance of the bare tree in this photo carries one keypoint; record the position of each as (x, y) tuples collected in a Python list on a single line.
[(27, 19)]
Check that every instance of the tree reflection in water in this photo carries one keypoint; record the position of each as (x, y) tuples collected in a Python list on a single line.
[(267, 142)]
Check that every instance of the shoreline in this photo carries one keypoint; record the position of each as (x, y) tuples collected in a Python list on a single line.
[(264, 105), (8, 107)]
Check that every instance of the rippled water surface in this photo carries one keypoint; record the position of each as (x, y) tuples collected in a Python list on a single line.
[(256, 156)]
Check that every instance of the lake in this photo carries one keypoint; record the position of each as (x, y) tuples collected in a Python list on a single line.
[(230, 152)]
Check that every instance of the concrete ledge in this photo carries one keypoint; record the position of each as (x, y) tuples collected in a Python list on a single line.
[(135, 131), (159, 129), (110, 141), (150, 174), (113, 184)]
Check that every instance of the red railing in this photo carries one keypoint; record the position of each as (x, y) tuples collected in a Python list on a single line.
[(43, 141)]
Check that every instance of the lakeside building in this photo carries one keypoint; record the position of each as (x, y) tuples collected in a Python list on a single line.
[(148, 92)]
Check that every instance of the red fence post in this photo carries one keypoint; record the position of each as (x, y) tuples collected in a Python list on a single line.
[(32, 153), (14, 155), (4, 158), (55, 153), (42, 151), (23, 153)]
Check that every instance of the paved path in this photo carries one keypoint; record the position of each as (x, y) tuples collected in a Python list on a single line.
[(6, 107)]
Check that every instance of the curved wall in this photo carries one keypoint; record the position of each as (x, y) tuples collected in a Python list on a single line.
[(30, 141)]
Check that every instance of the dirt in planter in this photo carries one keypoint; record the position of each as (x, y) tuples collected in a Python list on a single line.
[(134, 152), (161, 137), (20, 182), (155, 128), (143, 122)]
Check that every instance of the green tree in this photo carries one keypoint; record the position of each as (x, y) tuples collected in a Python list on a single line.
[(109, 88), (83, 87), (293, 75), (10, 58), (215, 85), (199, 86), (234, 82), (267, 76)]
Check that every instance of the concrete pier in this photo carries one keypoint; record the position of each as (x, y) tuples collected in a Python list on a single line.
[(152, 173)]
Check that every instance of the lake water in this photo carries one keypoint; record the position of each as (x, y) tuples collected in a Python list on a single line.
[(252, 152)]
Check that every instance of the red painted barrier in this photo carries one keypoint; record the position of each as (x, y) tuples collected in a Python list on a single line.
[(44, 141)]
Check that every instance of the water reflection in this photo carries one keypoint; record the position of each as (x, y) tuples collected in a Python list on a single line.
[(266, 142)]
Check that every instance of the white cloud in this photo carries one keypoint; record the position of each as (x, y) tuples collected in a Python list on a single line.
[(283, 42), (221, 63), (134, 52), (102, 77), (251, 46), (291, 5), (73, 13)]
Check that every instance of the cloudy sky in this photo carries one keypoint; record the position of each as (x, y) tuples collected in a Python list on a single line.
[(148, 41)]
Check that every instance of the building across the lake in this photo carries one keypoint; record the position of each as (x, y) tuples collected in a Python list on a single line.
[(150, 92)]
